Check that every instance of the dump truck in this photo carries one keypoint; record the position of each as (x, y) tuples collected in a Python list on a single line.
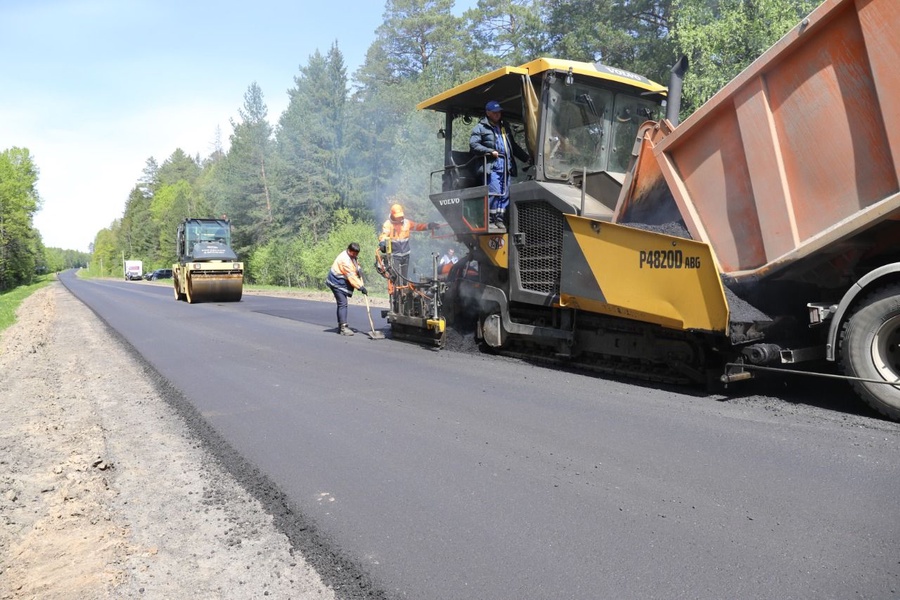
[(208, 269), (759, 234)]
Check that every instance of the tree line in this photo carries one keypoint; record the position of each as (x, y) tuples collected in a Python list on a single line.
[(299, 188), (23, 256)]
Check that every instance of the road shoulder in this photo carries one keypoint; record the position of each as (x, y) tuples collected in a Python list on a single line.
[(103, 490)]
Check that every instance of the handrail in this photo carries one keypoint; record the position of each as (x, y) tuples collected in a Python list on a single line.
[(455, 166)]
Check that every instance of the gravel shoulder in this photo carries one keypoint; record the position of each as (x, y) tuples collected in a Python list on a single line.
[(104, 492)]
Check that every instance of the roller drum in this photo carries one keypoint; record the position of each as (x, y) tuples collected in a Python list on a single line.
[(214, 288)]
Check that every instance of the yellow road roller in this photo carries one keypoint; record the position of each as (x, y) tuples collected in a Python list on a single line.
[(207, 269)]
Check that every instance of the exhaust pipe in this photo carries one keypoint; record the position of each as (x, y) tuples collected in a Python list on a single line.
[(673, 100)]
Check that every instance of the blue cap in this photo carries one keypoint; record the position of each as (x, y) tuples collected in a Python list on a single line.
[(492, 106)]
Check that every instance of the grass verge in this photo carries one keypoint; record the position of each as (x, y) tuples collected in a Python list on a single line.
[(10, 301)]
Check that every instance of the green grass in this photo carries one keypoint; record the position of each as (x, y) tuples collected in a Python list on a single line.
[(10, 301)]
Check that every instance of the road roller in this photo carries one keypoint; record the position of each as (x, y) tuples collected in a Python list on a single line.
[(208, 269)]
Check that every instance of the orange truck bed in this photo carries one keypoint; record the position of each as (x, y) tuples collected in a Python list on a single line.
[(797, 157)]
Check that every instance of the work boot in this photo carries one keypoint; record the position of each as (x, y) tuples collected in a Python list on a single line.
[(344, 330)]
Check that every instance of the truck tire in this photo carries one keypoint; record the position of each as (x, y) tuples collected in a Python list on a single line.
[(870, 349)]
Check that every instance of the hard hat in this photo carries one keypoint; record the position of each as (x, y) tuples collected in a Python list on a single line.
[(396, 212)]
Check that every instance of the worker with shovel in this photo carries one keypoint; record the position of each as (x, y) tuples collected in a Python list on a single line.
[(343, 278)]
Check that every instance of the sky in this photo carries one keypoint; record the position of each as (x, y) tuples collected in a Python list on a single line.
[(94, 88)]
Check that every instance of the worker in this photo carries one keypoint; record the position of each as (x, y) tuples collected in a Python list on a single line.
[(492, 139), (343, 278), (446, 262), (396, 231)]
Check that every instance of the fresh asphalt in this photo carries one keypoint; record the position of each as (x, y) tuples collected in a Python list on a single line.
[(430, 474)]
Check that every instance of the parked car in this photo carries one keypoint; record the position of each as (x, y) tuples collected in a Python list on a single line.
[(161, 274), (147, 275)]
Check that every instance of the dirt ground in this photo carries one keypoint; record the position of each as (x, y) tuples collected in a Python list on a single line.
[(103, 493)]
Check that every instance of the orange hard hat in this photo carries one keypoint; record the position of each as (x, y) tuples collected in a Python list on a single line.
[(396, 212)]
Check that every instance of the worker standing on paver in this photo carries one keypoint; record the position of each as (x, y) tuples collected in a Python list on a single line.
[(395, 231)]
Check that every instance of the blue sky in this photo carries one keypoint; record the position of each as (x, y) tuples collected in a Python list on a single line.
[(93, 88)]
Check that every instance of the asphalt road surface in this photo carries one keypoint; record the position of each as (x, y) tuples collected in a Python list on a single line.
[(430, 474)]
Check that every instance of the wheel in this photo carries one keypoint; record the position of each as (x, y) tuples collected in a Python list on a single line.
[(870, 349), (491, 331), (187, 291)]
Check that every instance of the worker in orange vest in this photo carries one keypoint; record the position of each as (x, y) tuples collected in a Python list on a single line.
[(395, 231), (343, 278)]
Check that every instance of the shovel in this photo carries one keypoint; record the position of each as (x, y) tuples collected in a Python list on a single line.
[(375, 335)]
